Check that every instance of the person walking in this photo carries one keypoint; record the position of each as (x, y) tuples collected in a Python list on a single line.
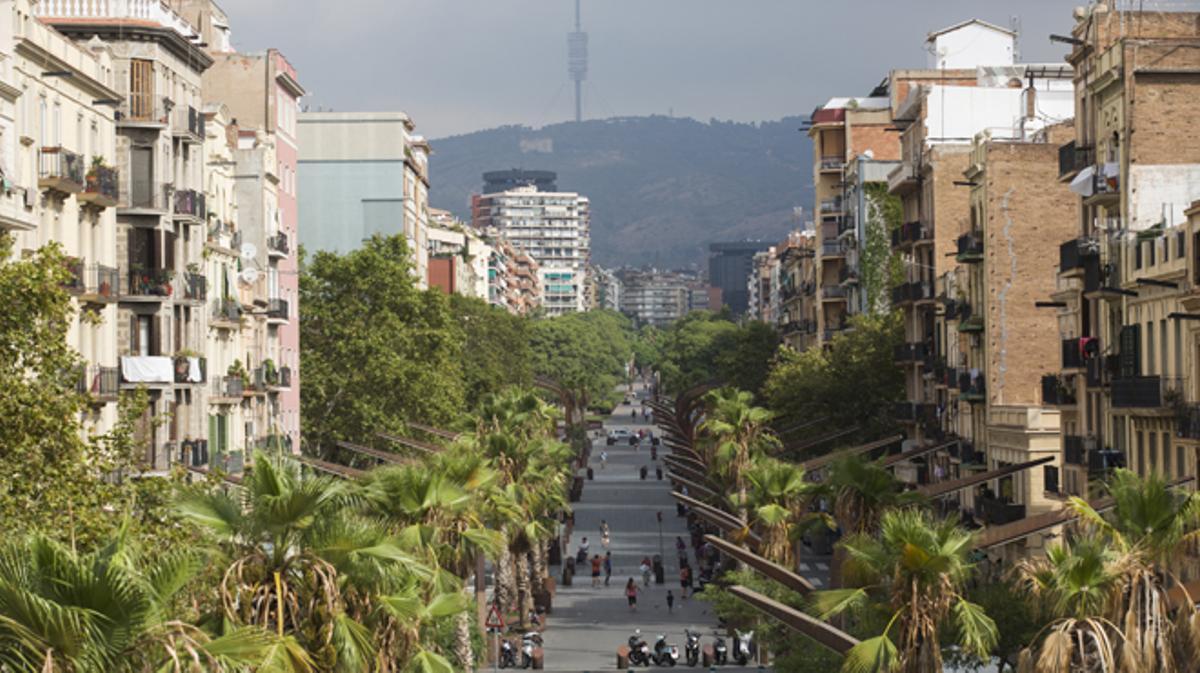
[(685, 581), (631, 594), (607, 567), (604, 536), (645, 568), (603, 459), (670, 601), (596, 563)]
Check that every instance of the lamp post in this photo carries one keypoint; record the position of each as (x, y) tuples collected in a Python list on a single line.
[(661, 550)]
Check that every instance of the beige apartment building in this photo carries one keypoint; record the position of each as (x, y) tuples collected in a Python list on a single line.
[(798, 304), (1123, 293), (58, 158)]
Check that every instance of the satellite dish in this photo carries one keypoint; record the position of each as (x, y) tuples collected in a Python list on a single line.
[(248, 276), (249, 251)]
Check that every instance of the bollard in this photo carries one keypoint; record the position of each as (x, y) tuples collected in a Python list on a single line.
[(658, 473), (591, 474), (643, 472)]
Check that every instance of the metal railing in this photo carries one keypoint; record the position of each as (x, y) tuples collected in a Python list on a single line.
[(831, 205), (1073, 158), (1144, 392), (153, 282), (910, 352), (102, 185), (909, 292), (193, 452), (61, 168), (194, 286), (994, 511), (1056, 391), (277, 309), (99, 382), (278, 242), (970, 247), (227, 309), (190, 203), (228, 386), (1187, 421), (832, 163), (189, 120), (183, 369), (1077, 253), (1074, 452), (143, 107)]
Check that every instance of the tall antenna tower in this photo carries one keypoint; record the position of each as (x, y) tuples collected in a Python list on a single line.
[(577, 58)]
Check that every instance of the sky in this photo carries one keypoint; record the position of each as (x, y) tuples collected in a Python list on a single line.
[(457, 66)]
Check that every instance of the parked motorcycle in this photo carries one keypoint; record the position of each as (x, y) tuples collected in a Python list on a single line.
[(720, 651), (741, 646), (665, 654), (528, 642), (508, 655), (639, 651), (691, 650)]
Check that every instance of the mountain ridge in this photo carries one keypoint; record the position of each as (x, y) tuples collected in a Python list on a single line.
[(661, 188)]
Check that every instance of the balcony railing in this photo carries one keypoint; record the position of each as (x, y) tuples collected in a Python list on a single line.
[(277, 309), (910, 292), (971, 389), (227, 309), (102, 188), (1073, 450), (832, 163), (848, 275), (101, 283), (1077, 253), (1144, 392), (1072, 159), (232, 462), (913, 411), (832, 249), (61, 170), (1103, 461), (910, 352), (143, 108), (833, 292), (1101, 370), (831, 205), (145, 196), (189, 121), (101, 383), (193, 452), (969, 322), (278, 243), (189, 203), (1072, 354), (230, 387), (1056, 391), (194, 286), (146, 282), (970, 247), (191, 369), (1187, 421), (995, 512)]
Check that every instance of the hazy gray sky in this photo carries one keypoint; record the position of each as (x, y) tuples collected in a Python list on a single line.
[(462, 65)]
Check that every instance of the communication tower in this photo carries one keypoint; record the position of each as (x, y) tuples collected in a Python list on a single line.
[(577, 58)]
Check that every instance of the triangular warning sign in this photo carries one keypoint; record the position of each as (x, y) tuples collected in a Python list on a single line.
[(494, 620)]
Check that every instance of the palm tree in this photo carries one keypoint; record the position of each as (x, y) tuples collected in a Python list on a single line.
[(916, 571), (114, 609), (779, 497), (739, 431), (862, 491), (300, 561), (1145, 534), (1077, 586)]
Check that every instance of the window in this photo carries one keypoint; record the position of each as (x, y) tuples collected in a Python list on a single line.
[(43, 122), (1162, 342), (1178, 352), (1179, 244), (1141, 453), (1149, 348), (1180, 461), (1152, 452), (1166, 455)]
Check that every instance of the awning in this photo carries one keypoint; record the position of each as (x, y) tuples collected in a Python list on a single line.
[(822, 461), (1083, 183), (835, 639), (947, 487)]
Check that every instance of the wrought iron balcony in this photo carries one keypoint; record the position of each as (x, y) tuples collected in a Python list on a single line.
[(277, 243), (1073, 158), (995, 511), (189, 203), (1072, 354), (60, 170), (194, 286), (99, 383), (832, 163), (193, 452), (101, 188), (153, 283), (909, 292), (1074, 452), (1077, 254), (228, 387), (1058, 390), (227, 310), (277, 309), (970, 247), (910, 352), (1144, 392), (1187, 421), (1103, 461), (971, 389)]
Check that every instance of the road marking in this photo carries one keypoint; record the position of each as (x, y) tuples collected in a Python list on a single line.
[(816, 582), (804, 567), (822, 566)]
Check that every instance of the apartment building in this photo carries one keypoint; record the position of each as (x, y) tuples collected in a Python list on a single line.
[(652, 297), (608, 289), (514, 282), (458, 258), (864, 233), (729, 264), (1124, 294), (762, 287), (798, 305), (553, 228), (58, 160), (262, 92), (841, 131), (161, 314), (362, 174)]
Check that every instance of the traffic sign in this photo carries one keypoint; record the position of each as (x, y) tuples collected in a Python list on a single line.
[(494, 620)]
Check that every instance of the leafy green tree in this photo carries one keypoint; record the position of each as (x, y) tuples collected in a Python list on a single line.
[(495, 351), (916, 571), (862, 492), (378, 352), (704, 346), (586, 353), (744, 357), (855, 382), (779, 496), (736, 432)]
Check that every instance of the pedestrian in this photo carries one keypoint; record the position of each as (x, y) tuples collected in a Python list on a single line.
[(603, 459), (604, 537), (631, 593), (607, 567), (685, 581), (596, 563), (645, 568), (670, 601)]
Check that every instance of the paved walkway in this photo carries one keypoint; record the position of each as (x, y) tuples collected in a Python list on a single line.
[(588, 624)]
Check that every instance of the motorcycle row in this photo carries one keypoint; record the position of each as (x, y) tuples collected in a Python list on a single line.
[(667, 654), (508, 653)]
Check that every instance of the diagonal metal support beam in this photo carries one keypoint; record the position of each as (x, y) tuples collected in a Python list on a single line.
[(375, 453), (821, 461), (835, 639), (437, 432), (802, 446), (410, 443), (765, 566)]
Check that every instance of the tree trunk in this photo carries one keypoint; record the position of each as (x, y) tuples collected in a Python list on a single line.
[(462, 642), (481, 599), (524, 596), (541, 569), (505, 582)]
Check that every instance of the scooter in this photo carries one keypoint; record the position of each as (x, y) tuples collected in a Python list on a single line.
[(528, 642), (720, 652), (665, 654), (508, 656), (639, 651), (741, 646), (692, 649)]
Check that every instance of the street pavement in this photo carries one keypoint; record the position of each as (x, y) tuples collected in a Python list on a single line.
[(588, 624)]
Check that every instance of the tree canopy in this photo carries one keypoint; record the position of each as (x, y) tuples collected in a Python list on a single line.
[(587, 353), (705, 346)]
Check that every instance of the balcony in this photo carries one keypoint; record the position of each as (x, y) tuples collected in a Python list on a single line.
[(1074, 452), (830, 206), (1105, 188), (1145, 392), (190, 369), (970, 248), (1102, 461), (1077, 254), (1057, 392), (971, 389), (968, 454), (280, 379), (910, 233), (227, 314), (99, 383), (100, 284), (1187, 421), (143, 109), (142, 370), (277, 310), (277, 245), (193, 287), (231, 462), (832, 249), (189, 205), (969, 323), (158, 458), (1072, 354), (833, 293), (101, 188), (905, 293), (1101, 370), (1072, 159), (997, 512), (902, 179), (146, 284), (227, 389), (189, 124), (848, 275), (193, 452), (910, 352), (60, 170), (144, 198), (832, 163), (912, 412)]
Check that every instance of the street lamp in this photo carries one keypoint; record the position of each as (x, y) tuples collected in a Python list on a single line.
[(661, 550)]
